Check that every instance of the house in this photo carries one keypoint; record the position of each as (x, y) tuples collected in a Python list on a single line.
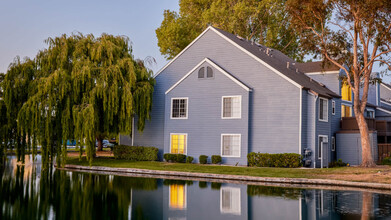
[(224, 95)]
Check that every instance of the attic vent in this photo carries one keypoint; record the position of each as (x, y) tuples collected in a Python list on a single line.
[(209, 72), (201, 73)]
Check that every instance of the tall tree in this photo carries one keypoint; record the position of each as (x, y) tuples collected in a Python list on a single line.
[(263, 21), (353, 35), (85, 88)]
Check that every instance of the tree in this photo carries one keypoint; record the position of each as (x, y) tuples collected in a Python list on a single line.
[(353, 35), (85, 88), (263, 21)]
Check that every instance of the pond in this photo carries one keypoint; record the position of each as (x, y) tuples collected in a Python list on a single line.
[(28, 192)]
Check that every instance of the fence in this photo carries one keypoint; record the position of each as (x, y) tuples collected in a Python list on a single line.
[(384, 150)]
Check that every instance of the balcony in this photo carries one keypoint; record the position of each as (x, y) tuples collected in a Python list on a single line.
[(350, 124)]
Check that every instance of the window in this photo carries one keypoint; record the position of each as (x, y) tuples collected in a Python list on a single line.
[(346, 111), (230, 145), (346, 92), (179, 108), (333, 107), (231, 107), (323, 106), (333, 143), (201, 73), (230, 200), (322, 139), (177, 196), (370, 114), (209, 72), (178, 144)]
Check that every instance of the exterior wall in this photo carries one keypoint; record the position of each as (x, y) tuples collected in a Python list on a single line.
[(330, 80), (335, 125), (322, 128), (349, 149), (385, 92), (311, 126), (204, 125)]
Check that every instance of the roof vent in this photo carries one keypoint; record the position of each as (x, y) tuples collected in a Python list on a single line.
[(297, 70), (268, 51), (241, 38)]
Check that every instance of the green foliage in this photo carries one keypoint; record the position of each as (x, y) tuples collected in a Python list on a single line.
[(337, 163), (286, 193), (216, 159), (203, 159), (290, 160), (179, 158), (80, 88), (203, 184), (263, 21), (136, 153), (215, 186), (386, 161), (189, 159)]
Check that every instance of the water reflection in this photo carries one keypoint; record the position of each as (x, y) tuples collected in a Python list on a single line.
[(27, 192)]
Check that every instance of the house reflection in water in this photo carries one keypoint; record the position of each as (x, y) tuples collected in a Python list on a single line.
[(175, 199)]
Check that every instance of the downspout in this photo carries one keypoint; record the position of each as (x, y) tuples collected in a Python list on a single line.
[(314, 129)]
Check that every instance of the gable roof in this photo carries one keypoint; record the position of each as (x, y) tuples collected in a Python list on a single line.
[(271, 58), (317, 67), (210, 62)]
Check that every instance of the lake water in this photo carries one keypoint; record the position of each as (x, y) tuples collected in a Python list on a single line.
[(28, 192)]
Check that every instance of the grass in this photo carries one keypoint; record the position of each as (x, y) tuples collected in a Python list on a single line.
[(342, 173)]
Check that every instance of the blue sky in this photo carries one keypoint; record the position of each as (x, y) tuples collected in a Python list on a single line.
[(25, 24)]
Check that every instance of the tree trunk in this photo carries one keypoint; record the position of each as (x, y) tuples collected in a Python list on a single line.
[(367, 160), (100, 144), (366, 209)]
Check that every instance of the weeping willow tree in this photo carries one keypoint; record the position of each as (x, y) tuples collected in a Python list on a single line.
[(86, 88)]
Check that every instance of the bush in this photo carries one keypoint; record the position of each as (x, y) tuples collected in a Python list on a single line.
[(202, 184), (203, 159), (386, 161), (135, 153), (189, 159), (179, 158), (274, 160), (337, 163), (216, 159)]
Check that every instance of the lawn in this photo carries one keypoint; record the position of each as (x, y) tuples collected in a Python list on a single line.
[(381, 174)]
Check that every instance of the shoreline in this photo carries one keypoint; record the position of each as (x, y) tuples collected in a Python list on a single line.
[(224, 177)]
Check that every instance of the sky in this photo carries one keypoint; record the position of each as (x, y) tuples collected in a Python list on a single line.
[(25, 24)]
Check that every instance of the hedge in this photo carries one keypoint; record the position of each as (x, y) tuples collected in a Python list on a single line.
[(136, 153), (274, 160), (189, 159), (386, 161), (203, 159), (179, 158), (216, 159)]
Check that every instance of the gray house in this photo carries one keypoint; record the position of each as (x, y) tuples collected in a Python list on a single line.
[(224, 95)]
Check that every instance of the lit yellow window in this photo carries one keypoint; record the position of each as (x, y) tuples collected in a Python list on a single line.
[(178, 143), (346, 92), (346, 111), (177, 196)]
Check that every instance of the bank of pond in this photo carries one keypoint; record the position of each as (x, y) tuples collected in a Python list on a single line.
[(30, 192)]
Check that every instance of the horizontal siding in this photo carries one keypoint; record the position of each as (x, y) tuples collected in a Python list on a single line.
[(349, 147), (330, 80)]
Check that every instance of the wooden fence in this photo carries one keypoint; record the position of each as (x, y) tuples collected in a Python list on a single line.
[(384, 150)]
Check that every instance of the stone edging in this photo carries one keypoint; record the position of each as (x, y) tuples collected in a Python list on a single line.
[(299, 181)]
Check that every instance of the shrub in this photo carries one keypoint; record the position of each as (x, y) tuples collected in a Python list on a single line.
[(179, 158), (386, 161), (274, 160), (216, 159), (203, 159), (135, 153), (215, 185), (337, 163), (189, 159), (202, 184)]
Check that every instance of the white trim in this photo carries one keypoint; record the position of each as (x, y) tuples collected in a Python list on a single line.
[(164, 67), (187, 107), (387, 103), (383, 110), (371, 110), (186, 137), (240, 48), (210, 62), (322, 73), (169, 197), (300, 118), (232, 189), (333, 107), (240, 106), (377, 94), (327, 108), (321, 148), (240, 145), (385, 86)]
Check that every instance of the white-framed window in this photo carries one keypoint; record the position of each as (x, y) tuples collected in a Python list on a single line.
[(230, 145), (333, 143), (333, 107), (178, 196), (230, 200), (322, 139), (179, 108), (370, 113), (231, 107), (178, 143), (323, 109), (346, 111)]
